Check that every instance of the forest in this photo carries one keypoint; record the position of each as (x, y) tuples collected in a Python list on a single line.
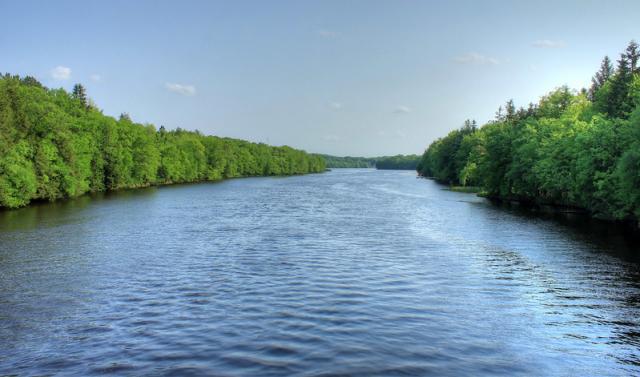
[(573, 148), (398, 162), (347, 162), (55, 144)]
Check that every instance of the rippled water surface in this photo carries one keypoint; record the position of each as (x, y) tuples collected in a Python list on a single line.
[(350, 273)]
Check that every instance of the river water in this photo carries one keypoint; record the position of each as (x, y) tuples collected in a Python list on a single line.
[(348, 273)]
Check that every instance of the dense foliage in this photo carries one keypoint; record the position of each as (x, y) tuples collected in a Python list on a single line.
[(55, 144), (398, 162), (579, 149), (347, 162)]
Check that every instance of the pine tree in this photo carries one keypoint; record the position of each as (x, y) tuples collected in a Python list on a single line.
[(618, 101), (510, 110), (31, 81), (633, 54), (603, 74), (469, 126), (80, 94), (531, 109)]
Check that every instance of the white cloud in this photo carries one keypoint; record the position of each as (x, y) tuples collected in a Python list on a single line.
[(95, 77), (546, 43), (185, 90), (335, 105), (401, 109), (61, 73), (328, 34), (475, 58)]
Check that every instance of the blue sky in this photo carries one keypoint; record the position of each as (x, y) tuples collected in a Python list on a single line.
[(341, 77)]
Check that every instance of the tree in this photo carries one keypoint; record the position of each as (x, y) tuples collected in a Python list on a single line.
[(616, 102), (31, 81), (601, 77), (510, 110), (566, 150), (53, 145), (632, 54), (80, 93)]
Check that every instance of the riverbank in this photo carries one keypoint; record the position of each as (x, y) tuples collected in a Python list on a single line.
[(574, 148), (59, 145), (632, 226)]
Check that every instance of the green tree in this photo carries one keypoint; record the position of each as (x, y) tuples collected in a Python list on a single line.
[(80, 94), (601, 77)]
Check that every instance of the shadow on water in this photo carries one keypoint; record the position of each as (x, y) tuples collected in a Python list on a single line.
[(619, 239), (45, 214), (67, 211)]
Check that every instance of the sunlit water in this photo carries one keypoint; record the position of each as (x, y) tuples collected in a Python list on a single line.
[(351, 273)]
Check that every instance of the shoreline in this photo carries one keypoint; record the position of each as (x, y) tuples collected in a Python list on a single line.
[(533, 207), (42, 201)]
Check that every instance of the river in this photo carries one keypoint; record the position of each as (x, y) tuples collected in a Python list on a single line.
[(354, 272)]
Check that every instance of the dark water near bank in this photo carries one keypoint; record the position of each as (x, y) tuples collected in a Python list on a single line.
[(351, 273)]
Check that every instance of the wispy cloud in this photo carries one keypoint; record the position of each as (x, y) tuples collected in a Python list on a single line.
[(547, 43), (476, 58), (335, 105), (401, 109), (328, 34), (185, 90), (61, 73), (95, 77)]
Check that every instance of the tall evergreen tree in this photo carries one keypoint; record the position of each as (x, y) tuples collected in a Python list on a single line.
[(615, 101), (601, 77), (468, 125), (80, 93), (30, 80), (510, 110), (633, 55)]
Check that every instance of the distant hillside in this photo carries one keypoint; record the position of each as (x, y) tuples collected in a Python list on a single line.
[(347, 162), (399, 162)]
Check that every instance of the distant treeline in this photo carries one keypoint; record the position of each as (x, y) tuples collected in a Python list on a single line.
[(398, 162), (55, 144), (579, 149), (347, 162)]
